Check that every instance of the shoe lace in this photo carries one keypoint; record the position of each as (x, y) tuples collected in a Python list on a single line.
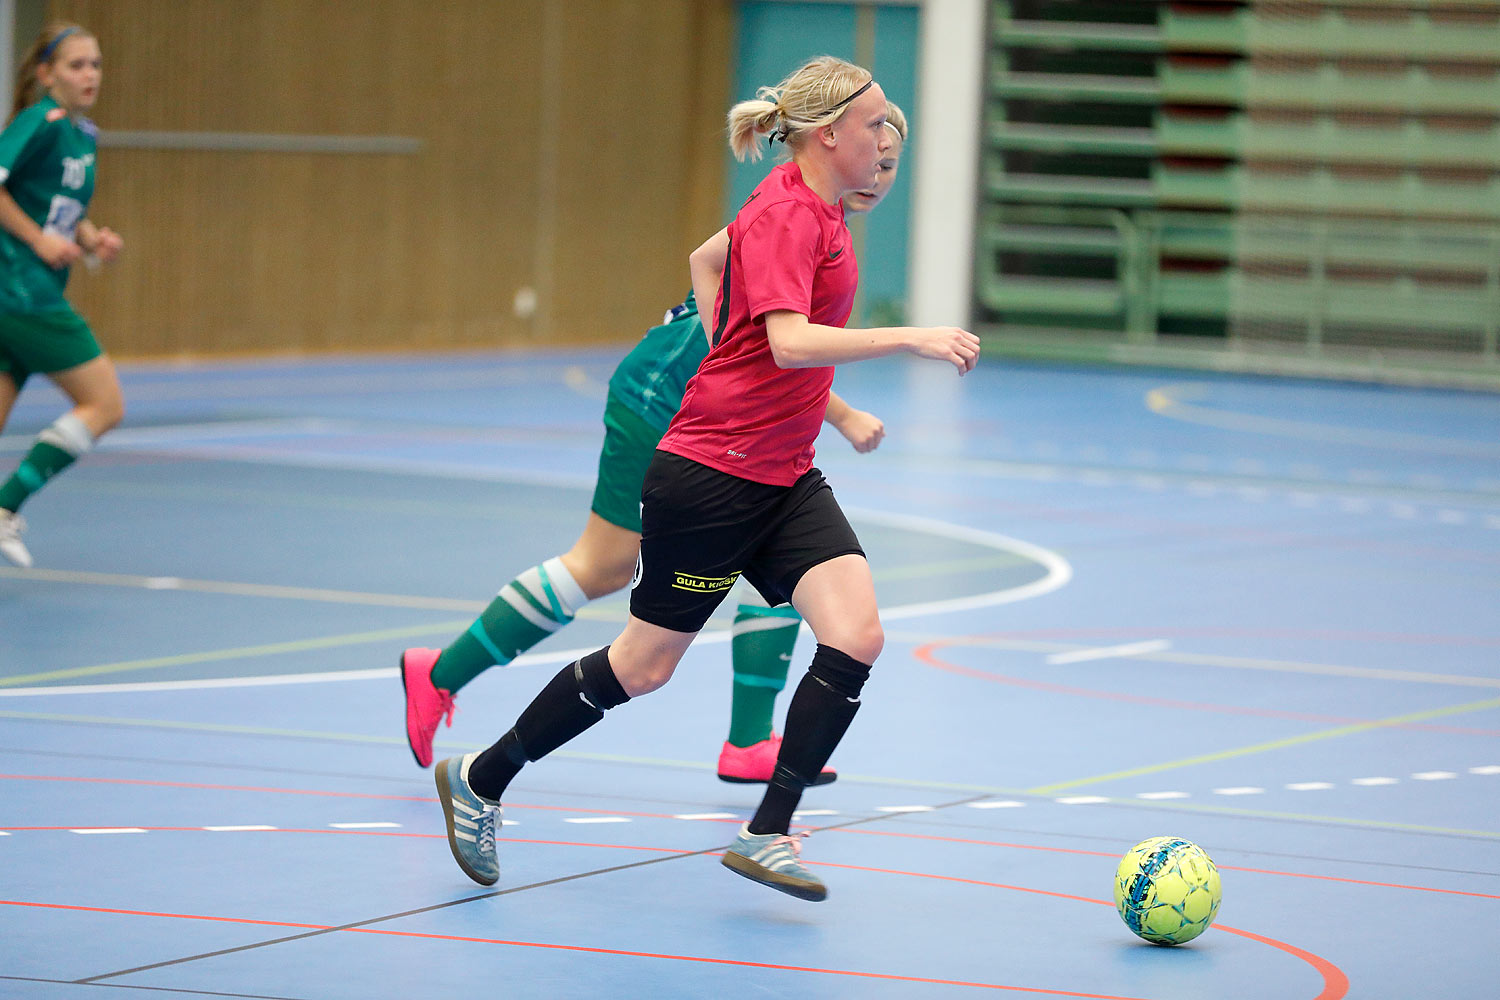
[(792, 840), (488, 820), (445, 706)]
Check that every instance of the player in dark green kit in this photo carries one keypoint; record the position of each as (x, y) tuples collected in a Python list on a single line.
[(645, 392), (47, 173)]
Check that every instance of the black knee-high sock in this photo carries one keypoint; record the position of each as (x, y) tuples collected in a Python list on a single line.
[(570, 703), (816, 721)]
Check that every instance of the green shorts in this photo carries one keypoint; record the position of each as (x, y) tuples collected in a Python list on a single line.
[(629, 445), (46, 342)]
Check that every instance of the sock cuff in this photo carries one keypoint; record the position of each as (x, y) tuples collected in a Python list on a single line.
[(839, 672), (597, 681), (68, 433), (556, 578), (749, 619)]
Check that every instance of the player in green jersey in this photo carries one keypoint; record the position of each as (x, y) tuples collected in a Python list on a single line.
[(46, 181), (644, 394)]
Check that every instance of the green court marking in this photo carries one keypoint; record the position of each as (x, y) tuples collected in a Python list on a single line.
[(177, 583), (202, 727), (242, 652), (311, 734), (1291, 741)]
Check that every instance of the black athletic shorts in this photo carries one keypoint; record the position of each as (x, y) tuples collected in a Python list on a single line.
[(701, 529)]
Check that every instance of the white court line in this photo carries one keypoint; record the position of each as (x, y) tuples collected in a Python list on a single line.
[(1002, 804), (363, 826), (110, 829), (1110, 652), (598, 819), (147, 436), (238, 829), (1058, 574), (705, 816)]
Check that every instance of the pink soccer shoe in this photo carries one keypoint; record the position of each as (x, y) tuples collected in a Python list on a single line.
[(425, 704), (753, 764)]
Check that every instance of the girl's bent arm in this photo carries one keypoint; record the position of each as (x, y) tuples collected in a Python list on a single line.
[(861, 429), (56, 251), (798, 343), (706, 265)]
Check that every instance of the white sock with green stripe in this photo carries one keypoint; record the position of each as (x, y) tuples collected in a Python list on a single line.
[(527, 610), (56, 448)]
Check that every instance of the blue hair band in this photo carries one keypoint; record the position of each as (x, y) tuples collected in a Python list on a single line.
[(46, 53)]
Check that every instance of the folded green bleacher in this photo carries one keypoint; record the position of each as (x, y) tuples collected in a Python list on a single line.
[(1317, 172)]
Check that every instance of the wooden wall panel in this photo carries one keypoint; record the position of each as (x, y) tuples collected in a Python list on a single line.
[(571, 146)]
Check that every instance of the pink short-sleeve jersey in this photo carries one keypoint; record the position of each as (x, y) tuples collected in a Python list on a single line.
[(742, 414)]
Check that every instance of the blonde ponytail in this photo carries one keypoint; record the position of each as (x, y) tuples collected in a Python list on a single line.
[(816, 94)]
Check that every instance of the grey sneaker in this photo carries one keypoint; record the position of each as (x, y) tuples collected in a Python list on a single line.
[(11, 546), (771, 859), (472, 820)]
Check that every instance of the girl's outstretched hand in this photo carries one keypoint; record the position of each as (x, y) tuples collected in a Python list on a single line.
[(959, 348)]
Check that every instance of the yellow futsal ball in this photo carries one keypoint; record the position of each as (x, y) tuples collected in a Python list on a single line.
[(1167, 890)]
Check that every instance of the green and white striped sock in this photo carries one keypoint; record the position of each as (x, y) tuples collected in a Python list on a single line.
[(56, 448), (527, 610), (762, 641)]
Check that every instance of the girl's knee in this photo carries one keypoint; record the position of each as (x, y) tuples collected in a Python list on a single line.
[(863, 642), (871, 642), (643, 678), (102, 417), (598, 577), (113, 414)]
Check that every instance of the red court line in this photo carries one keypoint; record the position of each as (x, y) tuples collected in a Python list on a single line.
[(703, 959), (926, 655), (200, 786), (1335, 983), (1107, 854), (678, 850), (151, 913), (348, 833)]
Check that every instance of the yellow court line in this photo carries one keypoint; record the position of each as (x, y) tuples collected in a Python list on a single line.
[(1291, 741), (1166, 401), (241, 652)]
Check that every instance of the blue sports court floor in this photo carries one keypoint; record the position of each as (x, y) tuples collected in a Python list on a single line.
[(1258, 614)]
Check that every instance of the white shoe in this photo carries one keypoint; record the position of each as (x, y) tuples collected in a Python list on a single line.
[(11, 546)]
